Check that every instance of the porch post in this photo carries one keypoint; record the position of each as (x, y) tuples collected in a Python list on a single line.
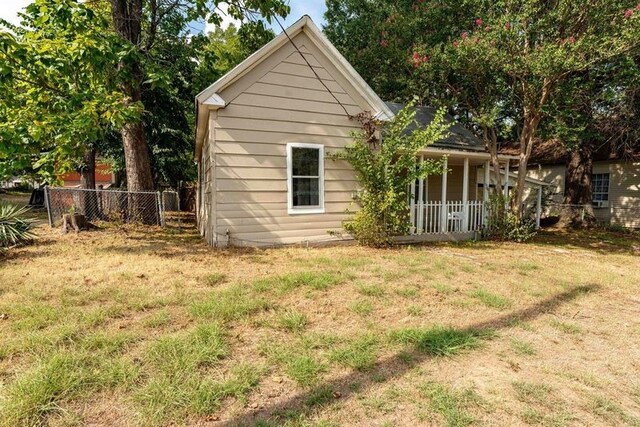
[(420, 221), (539, 207), (443, 208), (487, 181), (426, 189), (506, 179), (465, 195), (412, 206), (485, 190)]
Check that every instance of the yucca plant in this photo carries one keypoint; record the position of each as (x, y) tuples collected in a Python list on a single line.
[(15, 229)]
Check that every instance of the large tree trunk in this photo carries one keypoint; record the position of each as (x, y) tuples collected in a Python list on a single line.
[(88, 169), (127, 22), (89, 199), (532, 114), (577, 189), (527, 139), (491, 144)]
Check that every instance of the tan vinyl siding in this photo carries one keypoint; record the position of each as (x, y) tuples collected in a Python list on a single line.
[(206, 194), (624, 193), (454, 185), (624, 190), (281, 101), (552, 174)]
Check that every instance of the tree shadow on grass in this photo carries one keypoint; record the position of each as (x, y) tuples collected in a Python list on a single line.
[(602, 241), (38, 248), (169, 244), (395, 366)]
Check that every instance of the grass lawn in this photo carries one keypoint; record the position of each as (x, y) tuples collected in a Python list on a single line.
[(131, 326)]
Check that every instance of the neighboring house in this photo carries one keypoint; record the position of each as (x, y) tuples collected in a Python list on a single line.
[(104, 177), (615, 182), (262, 135), (18, 182)]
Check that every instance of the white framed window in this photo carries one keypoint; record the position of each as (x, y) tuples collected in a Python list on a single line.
[(600, 189), (305, 178)]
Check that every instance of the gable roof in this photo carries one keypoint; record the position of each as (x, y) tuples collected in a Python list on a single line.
[(210, 97), (459, 138)]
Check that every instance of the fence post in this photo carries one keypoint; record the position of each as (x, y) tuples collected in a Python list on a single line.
[(160, 210), (47, 202)]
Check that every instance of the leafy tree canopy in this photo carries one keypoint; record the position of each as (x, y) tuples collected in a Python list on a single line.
[(58, 81), (499, 64), (64, 71)]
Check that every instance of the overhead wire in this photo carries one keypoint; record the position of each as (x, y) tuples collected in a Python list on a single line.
[(250, 14), (313, 70)]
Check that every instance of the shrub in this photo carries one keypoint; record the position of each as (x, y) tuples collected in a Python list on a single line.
[(15, 229), (503, 224), (385, 168)]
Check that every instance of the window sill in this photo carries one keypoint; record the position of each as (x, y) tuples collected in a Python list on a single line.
[(305, 211)]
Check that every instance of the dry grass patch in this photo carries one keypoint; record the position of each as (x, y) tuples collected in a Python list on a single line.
[(452, 406), (130, 326)]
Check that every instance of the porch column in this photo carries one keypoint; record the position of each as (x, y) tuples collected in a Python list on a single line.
[(487, 181), (465, 195), (485, 190), (420, 221), (506, 179), (412, 206), (539, 207), (443, 208)]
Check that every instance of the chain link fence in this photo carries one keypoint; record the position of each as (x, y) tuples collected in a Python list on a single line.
[(144, 207), (170, 201)]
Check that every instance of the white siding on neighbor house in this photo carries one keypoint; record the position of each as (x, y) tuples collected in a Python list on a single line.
[(278, 102), (624, 190)]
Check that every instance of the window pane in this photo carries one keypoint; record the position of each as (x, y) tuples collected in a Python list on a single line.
[(306, 192), (305, 161), (600, 186)]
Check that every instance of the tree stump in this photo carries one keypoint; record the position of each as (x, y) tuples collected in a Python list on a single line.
[(76, 221)]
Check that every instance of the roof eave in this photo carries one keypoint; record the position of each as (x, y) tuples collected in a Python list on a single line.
[(469, 153)]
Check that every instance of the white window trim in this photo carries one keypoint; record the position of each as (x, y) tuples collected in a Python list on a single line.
[(602, 203), (311, 209)]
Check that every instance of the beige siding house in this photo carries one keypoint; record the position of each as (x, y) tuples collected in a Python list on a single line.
[(263, 133), (616, 189)]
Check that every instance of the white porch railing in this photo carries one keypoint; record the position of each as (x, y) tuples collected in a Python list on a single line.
[(456, 217)]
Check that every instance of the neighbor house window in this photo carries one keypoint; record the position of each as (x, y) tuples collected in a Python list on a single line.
[(600, 186), (305, 175)]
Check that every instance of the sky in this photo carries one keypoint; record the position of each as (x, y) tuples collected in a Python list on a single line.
[(315, 8), (9, 9)]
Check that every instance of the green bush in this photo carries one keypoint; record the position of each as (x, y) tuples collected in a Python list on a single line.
[(503, 224), (386, 166), (15, 229)]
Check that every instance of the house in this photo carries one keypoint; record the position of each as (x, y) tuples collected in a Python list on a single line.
[(262, 135), (103, 175), (615, 182)]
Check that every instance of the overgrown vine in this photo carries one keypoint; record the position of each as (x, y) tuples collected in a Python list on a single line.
[(385, 158)]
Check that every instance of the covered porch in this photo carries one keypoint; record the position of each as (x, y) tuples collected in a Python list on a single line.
[(453, 206)]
